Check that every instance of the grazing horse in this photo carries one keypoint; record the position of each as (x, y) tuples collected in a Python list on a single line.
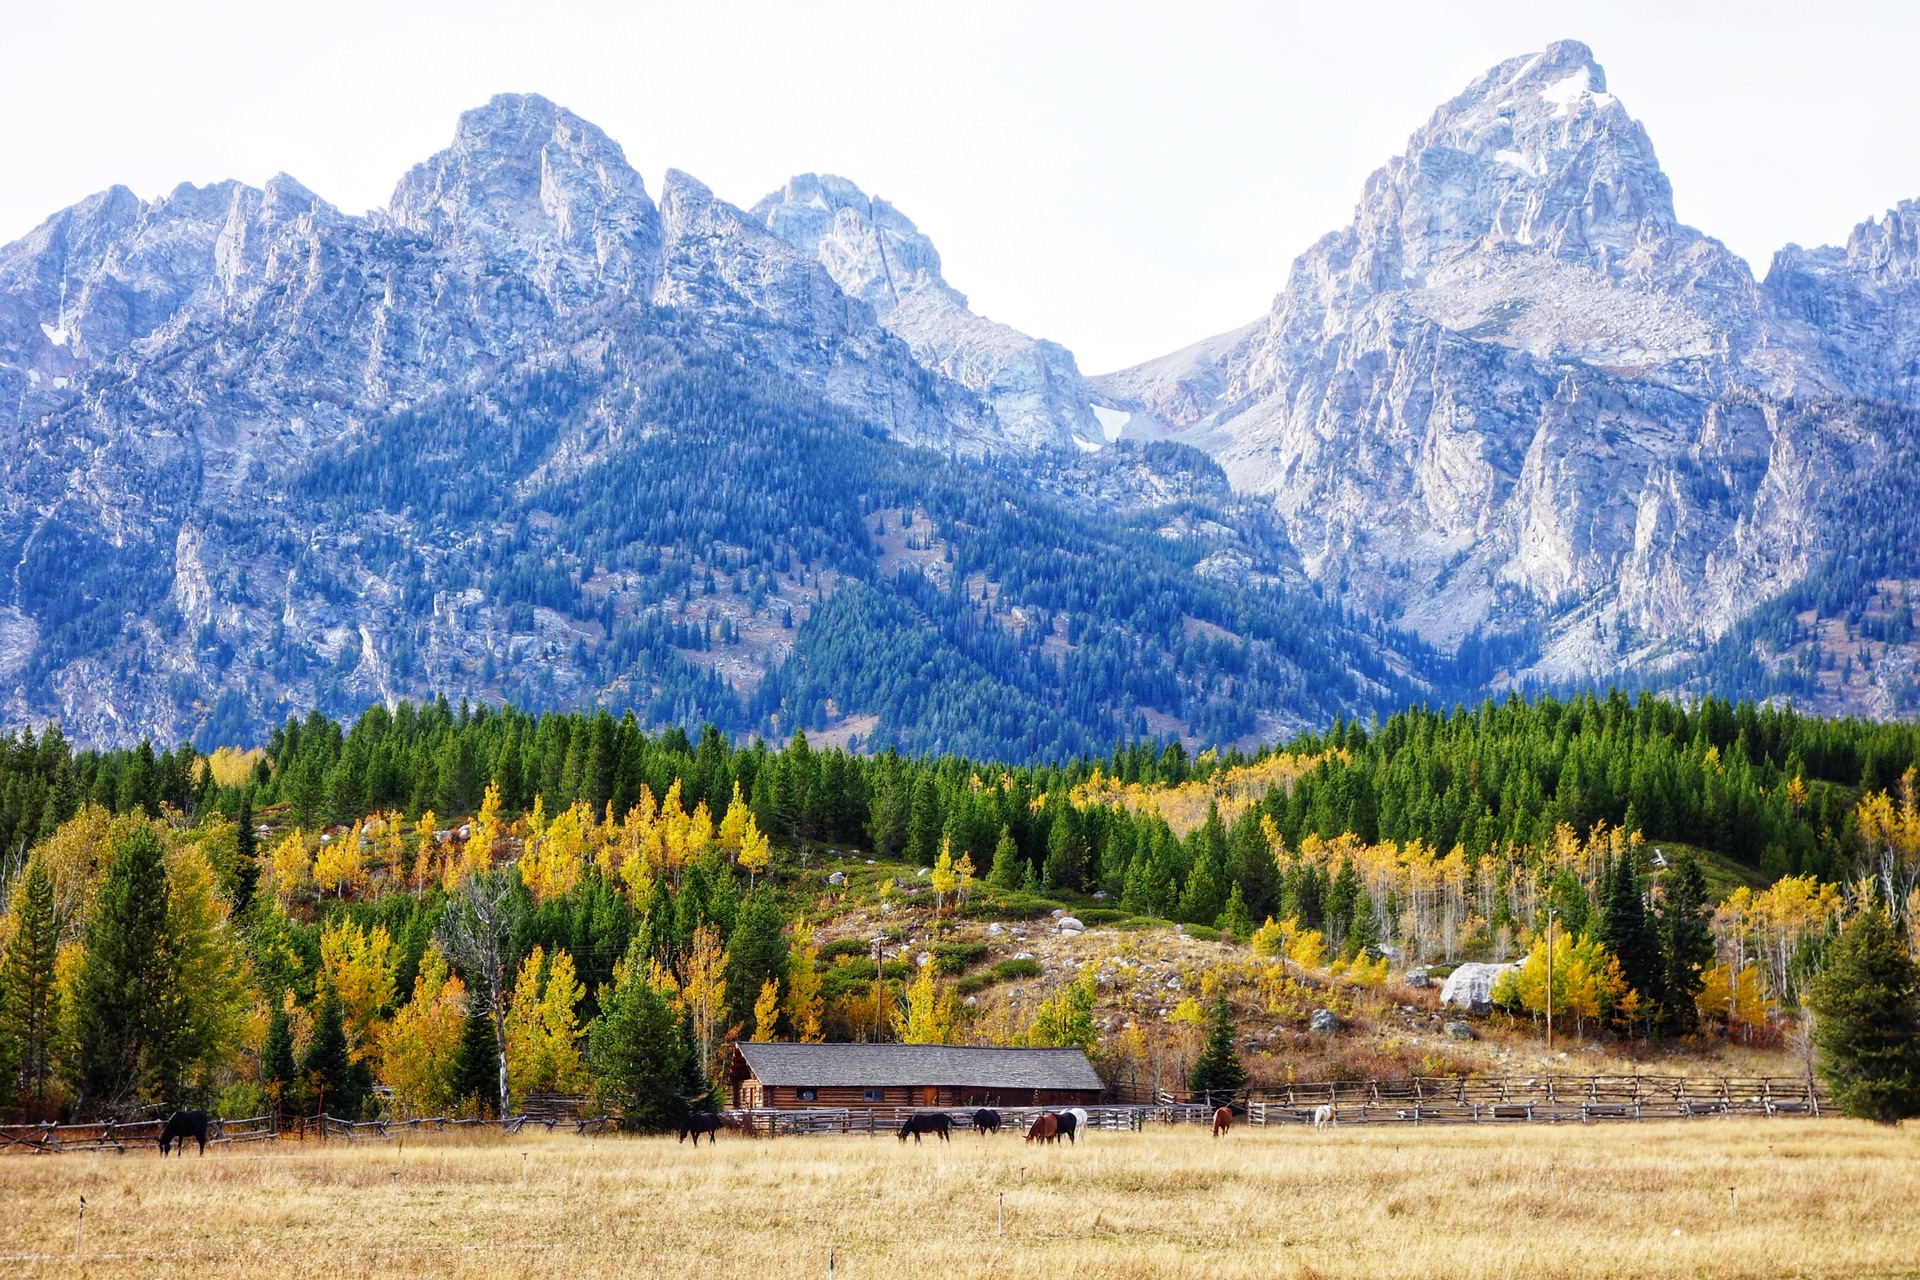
[(1046, 1127), (1222, 1121), (1079, 1120), (1065, 1125), (699, 1122), (920, 1122), (181, 1126), (1323, 1117), (986, 1120)]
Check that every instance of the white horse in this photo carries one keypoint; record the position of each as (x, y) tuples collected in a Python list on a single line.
[(1079, 1121), (1323, 1117)]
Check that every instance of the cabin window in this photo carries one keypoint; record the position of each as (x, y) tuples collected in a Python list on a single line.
[(806, 1095), (875, 1095)]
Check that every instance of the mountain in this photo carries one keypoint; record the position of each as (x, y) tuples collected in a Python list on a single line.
[(1517, 397), (527, 433)]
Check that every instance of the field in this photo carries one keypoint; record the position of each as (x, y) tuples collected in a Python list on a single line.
[(1707, 1198)]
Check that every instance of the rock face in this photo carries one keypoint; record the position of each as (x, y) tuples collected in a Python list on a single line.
[(876, 254), (1516, 395), (1470, 987)]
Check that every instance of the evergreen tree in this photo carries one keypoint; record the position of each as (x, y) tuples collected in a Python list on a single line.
[(1066, 847), (638, 1054), (277, 1069), (1233, 919), (1867, 1001), (756, 953), (1219, 1071), (1626, 931), (476, 1065), (29, 998), (1363, 931), (1341, 897), (1006, 869), (923, 822), (1254, 869), (341, 1085), (1686, 940), (246, 862), (125, 995)]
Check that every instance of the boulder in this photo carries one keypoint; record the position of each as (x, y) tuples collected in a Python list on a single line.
[(1070, 925), (1418, 978), (838, 877), (1323, 1021), (1470, 987), (1458, 1030)]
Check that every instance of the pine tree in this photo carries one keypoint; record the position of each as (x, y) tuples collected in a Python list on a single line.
[(1686, 943), (638, 1054), (1218, 1070), (1006, 868), (476, 1067), (923, 822), (1066, 846), (29, 997), (277, 1069), (1233, 919), (342, 1084), (1626, 931), (125, 993), (756, 952), (246, 862), (1867, 1001)]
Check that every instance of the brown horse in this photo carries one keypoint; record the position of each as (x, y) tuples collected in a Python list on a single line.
[(1222, 1121), (1045, 1128)]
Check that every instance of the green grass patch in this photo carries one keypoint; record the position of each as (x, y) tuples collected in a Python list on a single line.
[(1013, 970), (951, 958)]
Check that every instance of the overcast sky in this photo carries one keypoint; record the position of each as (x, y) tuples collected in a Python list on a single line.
[(1124, 179)]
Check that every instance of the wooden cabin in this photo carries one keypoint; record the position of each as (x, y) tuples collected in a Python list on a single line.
[(803, 1076)]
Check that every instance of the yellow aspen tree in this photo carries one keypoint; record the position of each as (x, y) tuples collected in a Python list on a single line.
[(341, 863), (766, 1011), (703, 991), (291, 866), (942, 877), (699, 831), (734, 824), (543, 1031), (804, 1005), (932, 1015), (482, 833), (754, 849), (419, 1048), (426, 854), (391, 850), (673, 831), (360, 964), (963, 870)]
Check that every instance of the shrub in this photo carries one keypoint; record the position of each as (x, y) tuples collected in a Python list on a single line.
[(1010, 970), (1100, 915), (843, 947), (951, 958), (1203, 933)]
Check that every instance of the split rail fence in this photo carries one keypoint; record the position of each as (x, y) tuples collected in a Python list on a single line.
[(1422, 1100)]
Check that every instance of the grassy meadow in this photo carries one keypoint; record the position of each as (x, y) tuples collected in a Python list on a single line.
[(1808, 1198)]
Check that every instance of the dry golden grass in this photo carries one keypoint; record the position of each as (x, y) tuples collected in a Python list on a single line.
[(1811, 1198)]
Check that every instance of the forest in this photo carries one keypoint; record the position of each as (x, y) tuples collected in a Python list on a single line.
[(442, 907)]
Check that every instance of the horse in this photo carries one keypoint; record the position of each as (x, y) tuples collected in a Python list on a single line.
[(1066, 1124), (1079, 1120), (1046, 1127), (181, 1126), (1323, 1117), (699, 1122), (986, 1120), (1222, 1121), (920, 1122)]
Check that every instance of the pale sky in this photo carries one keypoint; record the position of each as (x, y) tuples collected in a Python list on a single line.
[(1121, 178)]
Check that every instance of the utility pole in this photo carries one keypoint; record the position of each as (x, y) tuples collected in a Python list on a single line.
[(877, 949), (1550, 915)]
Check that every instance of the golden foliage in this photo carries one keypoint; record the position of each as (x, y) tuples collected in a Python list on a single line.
[(418, 1049), (360, 964), (804, 1010), (766, 1011), (542, 1029)]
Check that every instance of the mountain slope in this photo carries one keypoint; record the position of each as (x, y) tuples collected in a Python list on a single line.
[(1517, 396)]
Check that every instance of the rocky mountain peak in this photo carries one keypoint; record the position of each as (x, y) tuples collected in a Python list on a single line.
[(872, 250), (530, 181)]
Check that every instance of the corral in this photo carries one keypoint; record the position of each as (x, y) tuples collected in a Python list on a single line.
[(1727, 1197)]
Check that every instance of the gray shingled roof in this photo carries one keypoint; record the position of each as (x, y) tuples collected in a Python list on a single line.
[(895, 1065)]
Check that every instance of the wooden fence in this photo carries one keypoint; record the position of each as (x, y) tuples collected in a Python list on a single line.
[(119, 1135), (1422, 1100)]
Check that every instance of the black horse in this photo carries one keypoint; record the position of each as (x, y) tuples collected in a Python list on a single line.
[(699, 1122), (986, 1120), (181, 1126), (1068, 1123), (926, 1122)]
